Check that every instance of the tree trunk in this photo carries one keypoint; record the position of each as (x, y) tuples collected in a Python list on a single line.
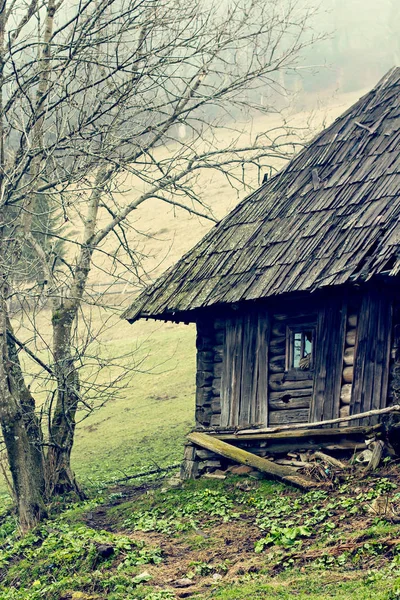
[(26, 474), (19, 428), (27, 403), (61, 478)]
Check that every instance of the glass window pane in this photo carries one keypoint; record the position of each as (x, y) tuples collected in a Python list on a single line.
[(297, 339), (307, 343)]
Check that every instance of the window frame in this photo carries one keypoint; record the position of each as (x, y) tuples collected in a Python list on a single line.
[(291, 330)]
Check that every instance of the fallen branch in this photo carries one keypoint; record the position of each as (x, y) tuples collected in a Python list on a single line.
[(282, 473), (144, 474), (370, 413), (334, 462)]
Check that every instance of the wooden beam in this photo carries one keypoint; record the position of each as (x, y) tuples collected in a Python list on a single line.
[(370, 413), (285, 474), (258, 434)]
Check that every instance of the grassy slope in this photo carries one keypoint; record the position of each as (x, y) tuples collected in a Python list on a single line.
[(237, 539), (149, 420)]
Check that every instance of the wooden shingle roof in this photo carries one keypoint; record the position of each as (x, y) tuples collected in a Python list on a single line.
[(329, 217)]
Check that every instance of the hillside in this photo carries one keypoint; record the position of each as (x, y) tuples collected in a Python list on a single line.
[(237, 539)]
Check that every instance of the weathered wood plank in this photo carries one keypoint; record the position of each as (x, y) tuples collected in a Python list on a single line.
[(291, 403), (282, 473), (382, 411), (259, 410), (328, 363), (299, 415), (288, 394), (301, 433), (277, 363), (227, 373), (247, 392), (278, 383), (371, 365)]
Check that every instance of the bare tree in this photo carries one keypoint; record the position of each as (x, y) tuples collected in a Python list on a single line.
[(92, 93)]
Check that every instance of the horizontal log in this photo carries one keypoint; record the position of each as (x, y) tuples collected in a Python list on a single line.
[(218, 369), (277, 342), (277, 383), (218, 353), (287, 395), (291, 403), (304, 445), (216, 386), (285, 474), (300, 316), (216, 405), (345, 393), (204, 395), (352, 320), (203, 415), (277, 364), (295, 434), (215, 420), (344, 411), (204, 378), (369, 413), (278, 329), (347, 375), (351, 337), (204, 343), (205, 363), (277, 349), (299, 415), (205, 355), (348, 357), (298, 375)]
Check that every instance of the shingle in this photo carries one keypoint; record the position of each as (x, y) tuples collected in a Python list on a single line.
[(330, 213)]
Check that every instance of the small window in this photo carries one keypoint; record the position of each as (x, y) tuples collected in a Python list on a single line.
[(300, 349)]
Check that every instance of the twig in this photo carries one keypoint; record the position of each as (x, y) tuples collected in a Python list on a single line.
[(145, 473)]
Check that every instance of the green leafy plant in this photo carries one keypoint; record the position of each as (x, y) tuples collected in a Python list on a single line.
[(286, 537)]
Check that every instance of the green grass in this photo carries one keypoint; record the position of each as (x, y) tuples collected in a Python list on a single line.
[(312, 586), (147, 422), (204, 531)]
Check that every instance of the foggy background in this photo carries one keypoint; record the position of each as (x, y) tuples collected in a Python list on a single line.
[(363, 44)]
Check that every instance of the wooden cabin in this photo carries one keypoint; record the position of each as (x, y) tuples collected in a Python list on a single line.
[(295, 293)]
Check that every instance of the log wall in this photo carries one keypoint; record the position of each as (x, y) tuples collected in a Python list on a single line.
[(289, 391), (210, 346), (394, 377), (243, 377), (348, 361), (242, 372)]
